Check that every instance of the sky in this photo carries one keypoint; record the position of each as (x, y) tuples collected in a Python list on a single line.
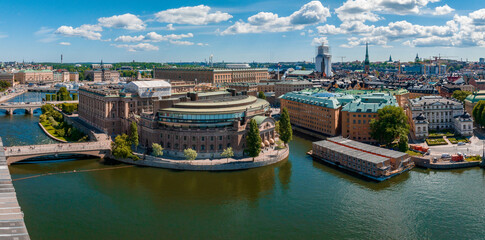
[(239, 31)]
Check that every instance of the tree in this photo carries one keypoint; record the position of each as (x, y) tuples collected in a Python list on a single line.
[(261, 95), (390, 124), (253, 140), (74, 96), (403, 143), (190, 154), (63, 94), (460, 95), (227, 153), (48, 98), (478, 111), (277, 127), (4, 85), (157, 150), (285, 131), (46, 108), (134, 134), (121, 146)]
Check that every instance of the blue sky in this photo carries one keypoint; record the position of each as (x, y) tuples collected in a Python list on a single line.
[(239, 31)]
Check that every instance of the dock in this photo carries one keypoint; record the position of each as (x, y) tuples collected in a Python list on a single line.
[(12, 225)]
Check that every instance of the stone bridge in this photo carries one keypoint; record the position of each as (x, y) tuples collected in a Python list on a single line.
[(18, 153), (28, 107)]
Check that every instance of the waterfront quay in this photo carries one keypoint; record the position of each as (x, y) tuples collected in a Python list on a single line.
[(12, 225)]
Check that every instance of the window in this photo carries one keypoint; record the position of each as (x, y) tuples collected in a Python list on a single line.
[(220, 146), (193, 138), (212, 138), (161, 135), (202, 147), (212, 147), (193, 147), (185, 138), (220, 138)]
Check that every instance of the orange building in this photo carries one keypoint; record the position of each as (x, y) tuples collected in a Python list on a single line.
[(212, 75)]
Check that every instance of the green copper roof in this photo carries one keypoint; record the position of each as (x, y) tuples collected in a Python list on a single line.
[(370, 103), (476, 97), (260, 119), (302, 97)]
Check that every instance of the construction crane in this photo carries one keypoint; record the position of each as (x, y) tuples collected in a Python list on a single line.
[(341, 57)]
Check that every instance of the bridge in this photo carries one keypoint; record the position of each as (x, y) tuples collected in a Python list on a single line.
[(28, 107), (12, 225), (18, 153)]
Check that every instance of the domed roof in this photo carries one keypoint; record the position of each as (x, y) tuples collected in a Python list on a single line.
[(465, 115)]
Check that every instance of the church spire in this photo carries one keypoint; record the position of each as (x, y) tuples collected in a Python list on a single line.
[(390, 58), (366, 62)]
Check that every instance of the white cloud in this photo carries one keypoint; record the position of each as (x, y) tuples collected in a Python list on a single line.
[(311, 13), (137, 47), (443, 10), (126, 21), (153, 37), (202, 44), (319, 41), (87, 31), (3, 35), (65, 43), (170, 27), (46, 35), (329, 30), (196, 15), (178, 42)]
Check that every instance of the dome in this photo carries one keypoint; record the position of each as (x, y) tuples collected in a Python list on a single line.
[(420, 117)]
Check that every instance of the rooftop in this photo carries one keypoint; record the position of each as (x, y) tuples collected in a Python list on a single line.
[(352, 152), (367, 147)]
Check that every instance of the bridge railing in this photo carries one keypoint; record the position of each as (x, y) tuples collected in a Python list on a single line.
[(55, 148)]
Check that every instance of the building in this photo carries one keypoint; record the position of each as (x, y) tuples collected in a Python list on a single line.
[(212, 75), (448, 89), (8, 77), (237, 65), (482, 60), (437, 113), (61, 76), (357, 115), (206, 122), (103, 75), (323, 61), (473, 99), (367, 160), (250, 88), (422, 90), (291, 86), (34, 76), (74, 76)]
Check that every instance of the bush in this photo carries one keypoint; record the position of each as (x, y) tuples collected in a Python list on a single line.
[(435, 141)]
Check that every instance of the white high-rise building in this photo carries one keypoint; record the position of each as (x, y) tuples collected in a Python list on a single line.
[(323, 60)]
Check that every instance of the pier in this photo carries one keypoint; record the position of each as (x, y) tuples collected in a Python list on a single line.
[(12, 225)]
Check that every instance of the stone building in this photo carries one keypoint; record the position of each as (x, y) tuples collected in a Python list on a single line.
[(103, 75), (291, 86), (8, 77), (212, 75), (34, 76), (437, 113)]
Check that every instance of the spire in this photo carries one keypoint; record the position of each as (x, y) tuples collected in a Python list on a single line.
[(366, 53), (390, 58), (417, 58)]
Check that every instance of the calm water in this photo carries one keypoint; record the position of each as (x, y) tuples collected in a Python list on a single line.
[(295, 199)]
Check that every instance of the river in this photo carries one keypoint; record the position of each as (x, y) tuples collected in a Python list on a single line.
[(294, 199)]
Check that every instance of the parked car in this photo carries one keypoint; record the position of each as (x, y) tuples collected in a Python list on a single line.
[(445, 155), (461, 143)]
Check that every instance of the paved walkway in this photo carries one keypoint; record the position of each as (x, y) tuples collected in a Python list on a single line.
[(12, 225)]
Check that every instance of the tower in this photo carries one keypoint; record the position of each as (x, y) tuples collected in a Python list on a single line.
[(323, 60), (61, 58), (366, 61), (390, 58), (417, 58)]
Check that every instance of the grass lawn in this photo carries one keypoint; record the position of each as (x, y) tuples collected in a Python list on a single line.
[(435, 141), (458, 139), (52, 130)]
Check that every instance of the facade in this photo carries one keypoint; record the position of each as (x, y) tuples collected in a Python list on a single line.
[(61, 76), (323, 61), (435, 113), (375, 162), (250, 88), (103, 75), (266, 87), (212, 75), (291, 86), (8, 77), (74, 76), (422, 90), (34, 76), (356, 115)]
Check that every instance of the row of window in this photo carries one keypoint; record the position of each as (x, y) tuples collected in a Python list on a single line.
[(195, 138), (194, 147)]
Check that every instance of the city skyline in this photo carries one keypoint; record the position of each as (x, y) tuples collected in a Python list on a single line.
[(190, 31)]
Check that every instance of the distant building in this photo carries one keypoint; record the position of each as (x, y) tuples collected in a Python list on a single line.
[(323, 61), (74, 76), (34, 76), (212, 75), (472, 100), (422, 90), (102, 65), (482, 61), (103, 75), (291, 86), (8, 77), (237, 65), (61, 76), (366, 61)]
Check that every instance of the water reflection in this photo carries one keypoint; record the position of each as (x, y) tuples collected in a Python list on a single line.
[(284, 174)]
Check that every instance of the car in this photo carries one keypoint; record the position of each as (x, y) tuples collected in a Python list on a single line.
[(461, 143), (445, 155)]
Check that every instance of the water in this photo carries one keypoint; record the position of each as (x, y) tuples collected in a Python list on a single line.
[(294, 199)]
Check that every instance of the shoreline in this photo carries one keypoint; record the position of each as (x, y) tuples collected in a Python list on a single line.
[(50, 135), (223, 164)]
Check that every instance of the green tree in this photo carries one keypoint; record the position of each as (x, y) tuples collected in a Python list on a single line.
[(277, 127), (403, 143), (134, 134), (285, 130), (253, 140), (63, 94), (157, 150), (4, 85), (48, 98), (261, 95), (190, 154), (46, 108), (42, 118), (227, 153), (460, 95), (121, 147), (477, 112), (74, 96), (390, 124)]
